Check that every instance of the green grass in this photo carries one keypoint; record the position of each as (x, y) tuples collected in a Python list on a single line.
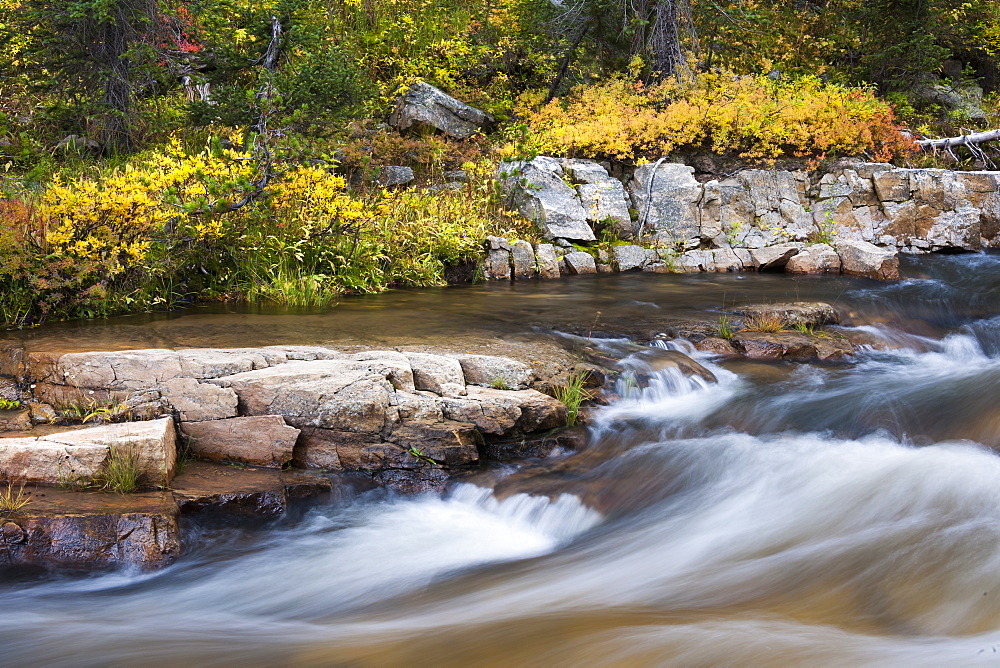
[(122, 470), (573, 393), (725, 327)]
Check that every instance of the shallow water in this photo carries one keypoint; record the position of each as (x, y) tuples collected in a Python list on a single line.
[(791, 514)]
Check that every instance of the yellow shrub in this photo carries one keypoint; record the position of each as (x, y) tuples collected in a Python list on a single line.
[(750, 116)]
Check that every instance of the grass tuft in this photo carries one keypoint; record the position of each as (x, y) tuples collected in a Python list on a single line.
[(725, 327), (765, 322), (122, 470), (13, 499), (573, 393)]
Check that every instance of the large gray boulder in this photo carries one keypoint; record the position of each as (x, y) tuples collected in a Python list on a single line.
[(424, 106), (860, 258), (632, 258), (666, 197), (538, 190), (603, 197), (814, 259)]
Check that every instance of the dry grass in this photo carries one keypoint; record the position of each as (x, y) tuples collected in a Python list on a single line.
[(765, 322), (13, 498)]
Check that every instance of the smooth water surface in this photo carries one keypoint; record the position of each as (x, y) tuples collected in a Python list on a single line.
[(788, 514)]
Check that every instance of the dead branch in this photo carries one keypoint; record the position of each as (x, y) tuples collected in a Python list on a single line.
[(961, 140)]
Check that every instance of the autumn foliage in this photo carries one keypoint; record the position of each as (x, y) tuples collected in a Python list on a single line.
[(753, 117)]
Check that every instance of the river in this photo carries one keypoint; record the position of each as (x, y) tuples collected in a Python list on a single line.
[(794, 514)]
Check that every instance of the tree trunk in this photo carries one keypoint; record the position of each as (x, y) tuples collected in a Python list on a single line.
[(665, 40)]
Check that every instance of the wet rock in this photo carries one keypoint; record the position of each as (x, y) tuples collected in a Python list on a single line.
[(41, 413), (263, 440), (81, 454), (493, 371), (413, 482), (452, 444), (570, 439), (860, 258), (790, 346), (424, 106), (15, 420), (809, 314), (652, 360), (87, 530), (497, 265), (537, 189), (501, 412), (773, 258), (717, 346), (255, 493), (633, 258), (814, 259)]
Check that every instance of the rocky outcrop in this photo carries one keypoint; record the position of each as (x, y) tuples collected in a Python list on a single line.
[(757, 219), (266, 407), (791, 314), (538, 189), (424, 106)]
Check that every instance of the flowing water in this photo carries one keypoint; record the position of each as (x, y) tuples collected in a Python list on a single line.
[(785, 514)]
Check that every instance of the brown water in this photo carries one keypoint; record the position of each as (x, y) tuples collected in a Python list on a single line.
[(789, 514)]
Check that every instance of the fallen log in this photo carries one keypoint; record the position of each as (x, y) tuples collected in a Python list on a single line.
[(961, 140)]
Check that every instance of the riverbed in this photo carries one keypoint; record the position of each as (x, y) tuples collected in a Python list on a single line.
[(840, 513)]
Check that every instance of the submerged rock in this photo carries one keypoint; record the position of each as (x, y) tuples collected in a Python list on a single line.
[(791, 346), (247, 492)]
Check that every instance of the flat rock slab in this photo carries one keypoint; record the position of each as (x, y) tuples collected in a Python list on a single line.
[(80, 454), (91, 529), (247, 492), (809, 314)]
